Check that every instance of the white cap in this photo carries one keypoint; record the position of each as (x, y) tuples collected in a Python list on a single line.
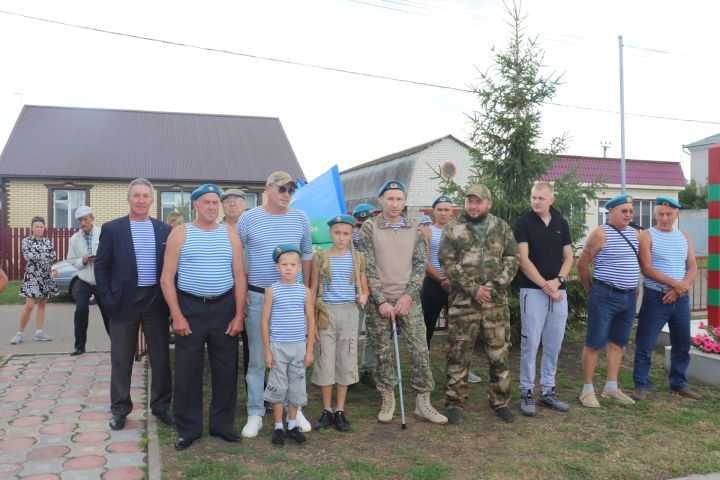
[(83, 211)]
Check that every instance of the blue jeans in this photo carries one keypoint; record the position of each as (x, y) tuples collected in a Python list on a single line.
[(611, 313), (653, 316), (255, 377)]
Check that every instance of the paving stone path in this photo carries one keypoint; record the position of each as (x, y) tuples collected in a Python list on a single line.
[(54, 413)]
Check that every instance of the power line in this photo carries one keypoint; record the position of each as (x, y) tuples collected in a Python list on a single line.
[(331, 69)]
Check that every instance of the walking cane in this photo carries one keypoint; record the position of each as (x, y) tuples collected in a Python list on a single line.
[(399, 373)]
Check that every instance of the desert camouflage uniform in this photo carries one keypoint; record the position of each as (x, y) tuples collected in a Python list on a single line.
[(470, 264), (379, 329)]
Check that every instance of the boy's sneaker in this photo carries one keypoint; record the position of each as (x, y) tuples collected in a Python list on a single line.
[(341, 423), (41, 336), (326, 419), (17, 338), (300, 421), (295, 435), (252, 427), (472, 378), (278, 438), (527, 403), (549, 399)]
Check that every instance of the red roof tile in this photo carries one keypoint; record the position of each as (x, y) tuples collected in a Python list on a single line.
[(607, 170)]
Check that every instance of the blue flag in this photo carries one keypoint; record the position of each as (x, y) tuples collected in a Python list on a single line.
[(321, 200)]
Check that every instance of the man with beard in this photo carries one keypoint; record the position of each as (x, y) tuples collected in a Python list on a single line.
[(480, 257)]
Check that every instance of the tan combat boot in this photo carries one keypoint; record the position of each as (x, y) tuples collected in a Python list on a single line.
[(426, 411), (388, 406)]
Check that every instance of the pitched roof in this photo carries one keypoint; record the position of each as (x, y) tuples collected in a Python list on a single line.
[(638, 172), (405, 153), (705, 141), (123, 144)]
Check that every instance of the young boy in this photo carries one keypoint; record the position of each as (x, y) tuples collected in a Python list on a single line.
[(338, 277), (287, 341)]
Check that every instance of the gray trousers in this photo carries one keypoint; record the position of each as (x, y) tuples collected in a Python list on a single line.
[(543, 320)]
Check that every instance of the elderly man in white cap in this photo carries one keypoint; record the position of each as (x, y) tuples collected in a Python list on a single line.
[(81, 255)]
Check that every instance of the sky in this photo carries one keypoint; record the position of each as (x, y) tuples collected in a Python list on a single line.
[(671, 63)]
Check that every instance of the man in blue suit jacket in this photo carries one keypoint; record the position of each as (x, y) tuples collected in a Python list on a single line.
[(127, 273)]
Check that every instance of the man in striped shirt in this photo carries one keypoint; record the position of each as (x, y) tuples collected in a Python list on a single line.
[(207, 307), (668, 263), (611, 297), (261, 229)]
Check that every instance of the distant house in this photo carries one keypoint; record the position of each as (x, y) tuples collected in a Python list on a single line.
[(699, 158), (414, 166), (57, 159)]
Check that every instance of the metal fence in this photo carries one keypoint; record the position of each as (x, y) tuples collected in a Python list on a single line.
[(11, 257)]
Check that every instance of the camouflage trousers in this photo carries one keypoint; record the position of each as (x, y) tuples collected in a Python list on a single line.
[(411, 330), (491, 328)]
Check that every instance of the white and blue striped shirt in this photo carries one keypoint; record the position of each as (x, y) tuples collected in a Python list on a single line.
[(143, 237), (339, 290), (669, 255), (616, 262), (205, 266), (287, 319), (261, 232), (434, 245)]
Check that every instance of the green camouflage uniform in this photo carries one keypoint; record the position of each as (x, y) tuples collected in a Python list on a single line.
[(470, 264), (379, 329)]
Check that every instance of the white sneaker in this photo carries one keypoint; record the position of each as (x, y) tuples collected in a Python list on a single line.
[(472, 378), (17, 338), (41, 336), (253, 426), (301, 422)]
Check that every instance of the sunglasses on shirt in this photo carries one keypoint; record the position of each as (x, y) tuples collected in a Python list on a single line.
[(284, 189)]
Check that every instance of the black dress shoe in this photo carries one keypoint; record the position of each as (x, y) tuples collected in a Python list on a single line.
[(165, 417), (182, 443), (117, 422), (78, 351), (231, 437), (341, 423)]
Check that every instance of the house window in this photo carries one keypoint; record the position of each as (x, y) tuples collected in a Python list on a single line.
[(64, 204), (642, 212), (176, 202), (251, 199)]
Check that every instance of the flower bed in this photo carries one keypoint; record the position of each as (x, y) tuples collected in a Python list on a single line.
[(708, 339)]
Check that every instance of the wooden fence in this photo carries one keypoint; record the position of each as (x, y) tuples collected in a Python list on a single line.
[(11, 257)]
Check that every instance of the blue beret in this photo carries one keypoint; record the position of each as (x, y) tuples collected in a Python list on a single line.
[(347, 219), (363, 210), (425, 219), (668, 202), (284, 248), (203, 189), (441, 198), (391, 185), (619, 200)]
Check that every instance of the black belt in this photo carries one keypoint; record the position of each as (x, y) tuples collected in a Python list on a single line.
[(255, 289), (147, 286), (213, 299), (612, 287)]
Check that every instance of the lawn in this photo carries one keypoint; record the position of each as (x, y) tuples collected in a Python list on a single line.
[(665, 438), (10, 296)]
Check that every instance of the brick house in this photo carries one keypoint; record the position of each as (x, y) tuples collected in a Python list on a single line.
[(57, 159), (414, 166)]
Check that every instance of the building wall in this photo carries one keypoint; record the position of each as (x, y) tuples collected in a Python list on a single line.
[(423, 188), (699, 165), (29, 198)]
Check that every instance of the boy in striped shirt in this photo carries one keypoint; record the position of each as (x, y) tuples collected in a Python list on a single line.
[(338, 277), (287, 326)]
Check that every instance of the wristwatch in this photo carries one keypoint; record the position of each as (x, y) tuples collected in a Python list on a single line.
[(561, 279)]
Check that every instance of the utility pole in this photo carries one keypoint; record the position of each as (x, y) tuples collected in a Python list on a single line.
[(622, 119)]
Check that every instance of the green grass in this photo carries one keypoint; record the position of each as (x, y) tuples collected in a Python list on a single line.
[(11, 295), (629, 442)]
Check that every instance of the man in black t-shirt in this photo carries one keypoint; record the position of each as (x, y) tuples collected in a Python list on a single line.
[(546, 256)]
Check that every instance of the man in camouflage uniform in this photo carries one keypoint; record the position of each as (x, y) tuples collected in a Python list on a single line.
[(480, 257), (395, 251)]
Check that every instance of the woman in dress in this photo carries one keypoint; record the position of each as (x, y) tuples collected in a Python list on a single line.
[(38, 284)]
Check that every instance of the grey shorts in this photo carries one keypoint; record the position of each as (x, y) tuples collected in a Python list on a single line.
[(286, 380), (336, 354)]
